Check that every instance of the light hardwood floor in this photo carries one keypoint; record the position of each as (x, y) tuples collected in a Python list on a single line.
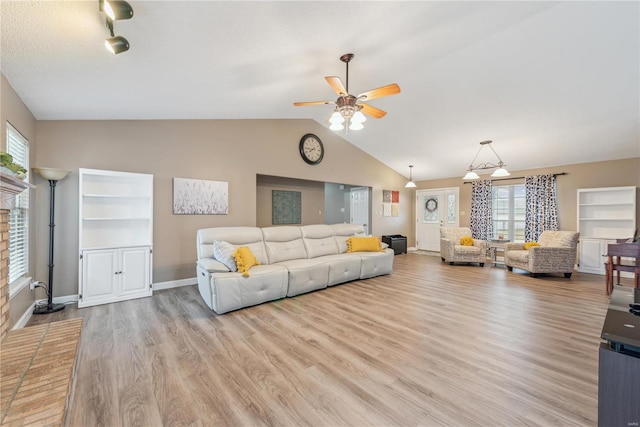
[(430, 344)]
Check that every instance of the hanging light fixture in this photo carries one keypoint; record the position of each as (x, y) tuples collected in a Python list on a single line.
[(410, 184), (500, 171)]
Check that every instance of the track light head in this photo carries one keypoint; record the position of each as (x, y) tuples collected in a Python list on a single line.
[(117, 44), (118, 9)]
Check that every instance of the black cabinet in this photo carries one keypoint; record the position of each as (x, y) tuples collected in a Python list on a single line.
[(396, 242)]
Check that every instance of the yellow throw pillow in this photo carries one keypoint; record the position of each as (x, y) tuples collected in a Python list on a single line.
[(530, 244), (244, 260), (364, 244), (466, 241)]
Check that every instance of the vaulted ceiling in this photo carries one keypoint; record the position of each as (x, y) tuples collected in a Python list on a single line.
[(550, 83)]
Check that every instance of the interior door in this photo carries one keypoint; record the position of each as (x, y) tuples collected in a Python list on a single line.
[(434, 209), (360, 207)]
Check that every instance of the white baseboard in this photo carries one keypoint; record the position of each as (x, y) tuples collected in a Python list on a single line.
[(24, 319), (174, 284)]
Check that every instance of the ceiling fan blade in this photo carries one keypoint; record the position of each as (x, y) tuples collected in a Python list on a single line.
[(373, 111), (303, 104), (336, 85), (387, 90)]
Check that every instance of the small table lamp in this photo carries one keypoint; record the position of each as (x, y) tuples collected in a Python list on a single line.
[(53, 176)]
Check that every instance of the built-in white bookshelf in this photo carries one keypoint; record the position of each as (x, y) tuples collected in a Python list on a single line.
[(604, 215), (115, 236), (116, 209)]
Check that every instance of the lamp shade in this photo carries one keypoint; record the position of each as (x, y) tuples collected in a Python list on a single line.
[(501, 172), (117, 44), (471, 175), (410, 184), (52, 174)]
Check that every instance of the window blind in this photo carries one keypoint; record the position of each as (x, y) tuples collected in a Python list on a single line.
[(18, 147)]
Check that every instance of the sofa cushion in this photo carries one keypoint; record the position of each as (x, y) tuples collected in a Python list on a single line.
[(363, 244), (245, 260), (466, 241), (283, 243), (223, 252), (342, 232), (237, 236), (519, 255), (319, 240)]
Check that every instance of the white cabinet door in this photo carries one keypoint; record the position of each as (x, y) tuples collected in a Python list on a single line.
[(117, 274), (134, 272), (99, 281), (592, 255)]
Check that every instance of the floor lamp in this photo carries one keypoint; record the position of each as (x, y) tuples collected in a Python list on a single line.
[(53, 176)]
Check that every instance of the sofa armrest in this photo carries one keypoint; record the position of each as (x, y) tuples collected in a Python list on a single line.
[(212, 266), (513, 246), (557, 251), (480, 243)]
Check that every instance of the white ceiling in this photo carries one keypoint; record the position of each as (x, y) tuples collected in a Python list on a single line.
[(550, 83)]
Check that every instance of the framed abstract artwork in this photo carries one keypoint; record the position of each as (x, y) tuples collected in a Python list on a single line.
[(286, 207), (200, 197)]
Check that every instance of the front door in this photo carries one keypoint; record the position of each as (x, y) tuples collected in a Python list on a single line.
[(434, 209)]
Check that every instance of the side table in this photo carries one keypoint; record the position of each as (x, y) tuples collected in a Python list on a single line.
[(496, 246)]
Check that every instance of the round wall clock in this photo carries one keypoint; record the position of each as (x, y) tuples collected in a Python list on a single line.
[(311, 149)]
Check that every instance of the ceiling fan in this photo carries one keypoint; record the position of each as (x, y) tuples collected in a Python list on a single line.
[(349, 108)]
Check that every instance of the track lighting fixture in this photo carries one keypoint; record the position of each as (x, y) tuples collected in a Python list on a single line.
[(115, 10), (116, 45), (118, 9)]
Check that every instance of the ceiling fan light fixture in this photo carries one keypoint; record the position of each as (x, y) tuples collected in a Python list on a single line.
[(336, 117), (116, 45), (336, 126), (356, 125), (358, 117)]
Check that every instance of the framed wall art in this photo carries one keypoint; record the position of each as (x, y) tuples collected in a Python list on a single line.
[(200, 197), (286, 207)]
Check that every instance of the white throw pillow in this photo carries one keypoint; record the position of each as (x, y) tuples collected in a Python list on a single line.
[(223, 252)]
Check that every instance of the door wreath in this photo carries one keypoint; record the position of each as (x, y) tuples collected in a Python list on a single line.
[(431, 204)]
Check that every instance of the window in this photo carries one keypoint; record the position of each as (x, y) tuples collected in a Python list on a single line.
[(509, 209), (18, 147)]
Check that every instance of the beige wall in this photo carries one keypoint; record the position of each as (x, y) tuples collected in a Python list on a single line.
[(235, 151), (312, 198), (13, 110), (614, 173)]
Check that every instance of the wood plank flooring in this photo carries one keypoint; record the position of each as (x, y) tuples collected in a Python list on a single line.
[(431, 344)]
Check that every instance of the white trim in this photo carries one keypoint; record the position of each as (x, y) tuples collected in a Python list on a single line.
[(17, 286), (24, 319), (174, 284)]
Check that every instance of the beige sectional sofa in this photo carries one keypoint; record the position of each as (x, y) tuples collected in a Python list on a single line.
[(293, 260)]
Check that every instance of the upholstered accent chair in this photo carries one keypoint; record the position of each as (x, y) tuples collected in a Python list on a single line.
[(452, 251), (556, 254)]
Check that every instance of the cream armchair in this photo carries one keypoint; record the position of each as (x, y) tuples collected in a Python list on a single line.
[(556, 254), (452, 251)]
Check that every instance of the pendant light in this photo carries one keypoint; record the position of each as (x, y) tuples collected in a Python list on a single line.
[(410, 184)]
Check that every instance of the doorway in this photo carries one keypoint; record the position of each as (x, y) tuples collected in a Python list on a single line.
[(359, 207), (434, 209)]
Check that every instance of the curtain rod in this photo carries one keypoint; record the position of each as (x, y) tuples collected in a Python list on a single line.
[(518, 177)]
